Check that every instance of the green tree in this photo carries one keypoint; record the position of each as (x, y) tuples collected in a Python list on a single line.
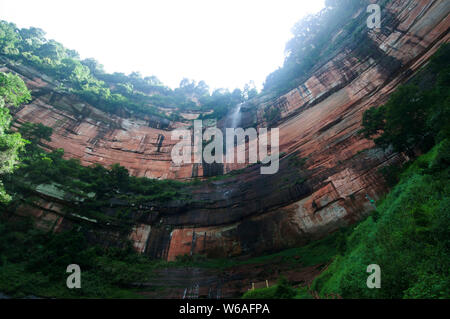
[(249, 91), (94, 66), (9, 38), (13, 92), (34, 133), (32, 38), (119, 176), (284, 290)]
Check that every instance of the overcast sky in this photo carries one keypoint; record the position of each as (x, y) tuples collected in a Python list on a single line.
[(226, 43)]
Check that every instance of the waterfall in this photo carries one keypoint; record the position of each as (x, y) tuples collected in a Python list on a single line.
[(236, 116)]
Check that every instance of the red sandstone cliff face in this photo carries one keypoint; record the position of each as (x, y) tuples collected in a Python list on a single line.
[(251, 213), (143, 146)]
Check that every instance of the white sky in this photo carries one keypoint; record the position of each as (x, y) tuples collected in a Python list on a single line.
[(226, 43)]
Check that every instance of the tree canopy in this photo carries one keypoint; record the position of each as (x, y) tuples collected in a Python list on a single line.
[(13, 92)]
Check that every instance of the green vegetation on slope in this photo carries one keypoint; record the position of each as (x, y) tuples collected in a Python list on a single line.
[(408, 234), (408, 237), (13, 92), (282, 290)]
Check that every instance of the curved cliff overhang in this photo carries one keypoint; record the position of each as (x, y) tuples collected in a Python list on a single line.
[(249, 212)]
